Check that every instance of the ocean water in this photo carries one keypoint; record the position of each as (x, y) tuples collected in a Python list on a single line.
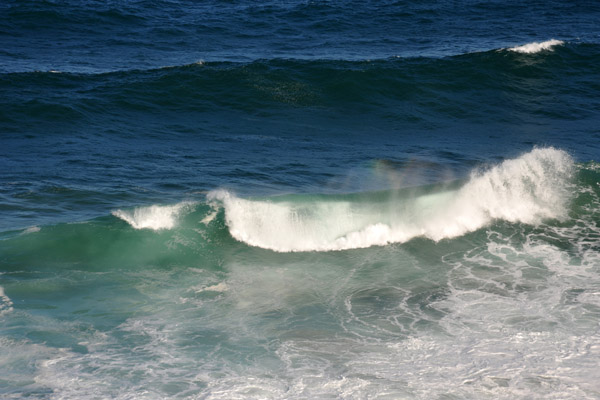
[(299, 199)]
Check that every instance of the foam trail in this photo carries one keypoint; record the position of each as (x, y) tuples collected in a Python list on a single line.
[(528, 189), (536, 47), (153, 217)]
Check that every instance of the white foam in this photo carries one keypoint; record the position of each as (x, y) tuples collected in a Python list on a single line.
[(209, 218), (528, 189), (219, 287), (6, 304), (536, 47), (153, 217)]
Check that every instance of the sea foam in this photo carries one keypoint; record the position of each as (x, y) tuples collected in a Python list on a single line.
[(31, 229), (153, 217), (536, 47), (6, 304), (529, 189)]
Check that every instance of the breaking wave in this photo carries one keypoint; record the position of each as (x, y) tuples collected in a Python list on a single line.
[(528, 189)]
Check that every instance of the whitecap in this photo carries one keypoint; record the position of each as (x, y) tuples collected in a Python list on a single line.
[(536, 47)]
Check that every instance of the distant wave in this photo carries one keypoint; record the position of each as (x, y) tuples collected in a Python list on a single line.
[(536, 47), (300, 65), (529, 48), (527, 190), (415, 92)]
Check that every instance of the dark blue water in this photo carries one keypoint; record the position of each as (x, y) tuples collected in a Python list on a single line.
[(320, 199)]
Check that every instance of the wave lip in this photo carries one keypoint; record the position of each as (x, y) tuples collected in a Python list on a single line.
[(153, 217), (536, 47), (529, 189)]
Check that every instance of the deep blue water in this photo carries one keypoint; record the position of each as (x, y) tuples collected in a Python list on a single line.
[(299, 199)]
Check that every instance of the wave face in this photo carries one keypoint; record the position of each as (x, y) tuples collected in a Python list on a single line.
[(530, 189)]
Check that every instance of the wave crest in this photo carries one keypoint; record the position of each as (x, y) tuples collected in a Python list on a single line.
[(528, 190), (536, 47)]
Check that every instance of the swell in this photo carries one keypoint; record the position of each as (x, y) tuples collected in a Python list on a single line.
[(504, 56), (476, 86)]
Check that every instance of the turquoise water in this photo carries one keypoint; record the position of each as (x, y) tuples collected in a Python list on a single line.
[(290, 200)]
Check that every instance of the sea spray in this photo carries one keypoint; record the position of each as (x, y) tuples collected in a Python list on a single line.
[(153, 217)]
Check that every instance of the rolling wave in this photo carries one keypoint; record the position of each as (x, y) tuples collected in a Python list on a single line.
[(542, 189)]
